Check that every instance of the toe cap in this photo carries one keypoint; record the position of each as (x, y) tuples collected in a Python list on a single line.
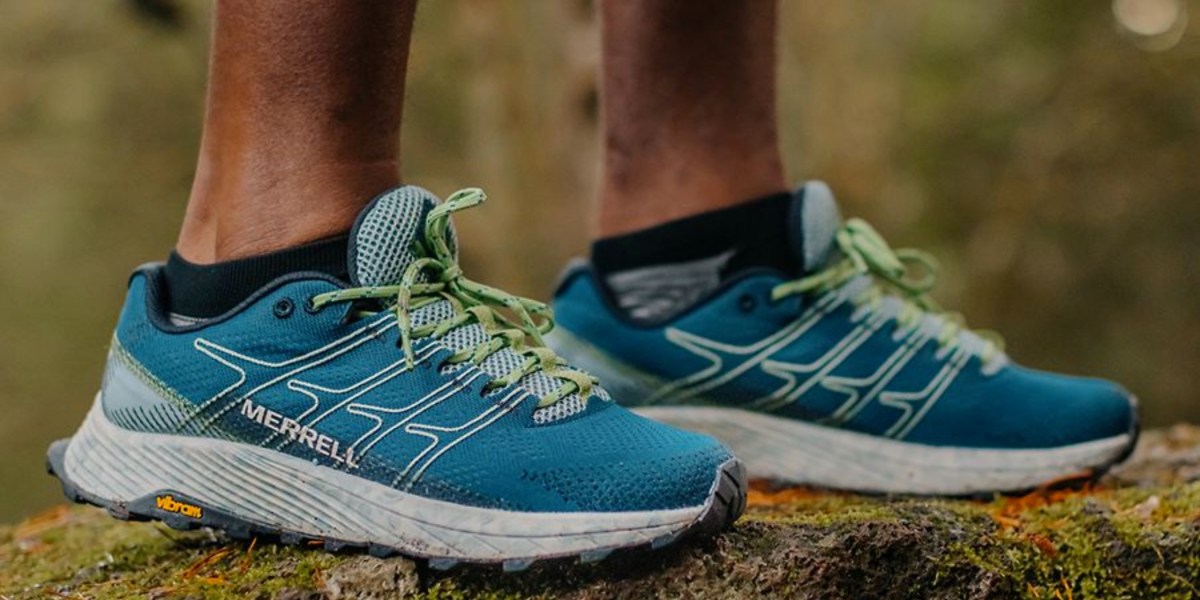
[(1024, 408)]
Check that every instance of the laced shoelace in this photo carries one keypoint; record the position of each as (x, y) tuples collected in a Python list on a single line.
[(437, 276), (865, 252)]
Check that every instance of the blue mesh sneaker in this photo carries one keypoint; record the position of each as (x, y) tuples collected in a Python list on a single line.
[(415, 412), (847, 377)]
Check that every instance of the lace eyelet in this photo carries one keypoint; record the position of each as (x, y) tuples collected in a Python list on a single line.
[(747, 303), (283, 308), (311, 308)]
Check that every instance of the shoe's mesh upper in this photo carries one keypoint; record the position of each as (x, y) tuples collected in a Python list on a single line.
[(383, 248), (407, 427), (586, 462), (337, 392)]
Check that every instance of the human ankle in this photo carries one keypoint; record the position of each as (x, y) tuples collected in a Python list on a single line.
[(243, 216), (639, 194)]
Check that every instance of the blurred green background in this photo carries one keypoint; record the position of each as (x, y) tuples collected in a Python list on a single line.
[(1047, 151)]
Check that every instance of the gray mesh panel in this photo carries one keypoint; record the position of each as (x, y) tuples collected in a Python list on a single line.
[(383, 237), (562, 409)]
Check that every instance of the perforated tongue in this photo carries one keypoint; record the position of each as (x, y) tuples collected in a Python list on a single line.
[(382, 243), (815, 222)]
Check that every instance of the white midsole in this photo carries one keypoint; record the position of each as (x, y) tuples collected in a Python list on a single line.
[(798, 452), (284, 492)]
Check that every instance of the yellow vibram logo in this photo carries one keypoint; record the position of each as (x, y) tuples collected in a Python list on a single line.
[(170, 504)]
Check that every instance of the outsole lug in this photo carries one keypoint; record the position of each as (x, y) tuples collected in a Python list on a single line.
[(291, 539), (179, 523), (264, 534), (118, 511), (379, 551), (517, 564), (239, 533), (729, 500), (338, 546), (663, 541), (592, 556), (443, 564)]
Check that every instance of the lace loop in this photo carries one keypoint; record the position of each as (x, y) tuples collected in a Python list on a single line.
[(865, 252), (437, 276)]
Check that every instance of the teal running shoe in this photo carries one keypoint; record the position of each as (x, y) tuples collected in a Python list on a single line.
[(413, 411), (848, 375)]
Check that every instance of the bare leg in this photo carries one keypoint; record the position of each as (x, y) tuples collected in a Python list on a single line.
[(302, 125), (688, 98)]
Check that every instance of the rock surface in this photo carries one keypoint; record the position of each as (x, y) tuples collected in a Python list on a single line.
[(1135, 535)]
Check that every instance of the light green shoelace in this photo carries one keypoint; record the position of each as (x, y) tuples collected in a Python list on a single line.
[(437, 276), (865, 252)]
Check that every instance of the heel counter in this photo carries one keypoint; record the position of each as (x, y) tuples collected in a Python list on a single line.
[(133, 399), (115, 380), (131, 396)]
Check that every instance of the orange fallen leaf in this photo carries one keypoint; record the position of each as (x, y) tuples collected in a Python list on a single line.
[(1006, 522), (209, 559), (1009, 511), (43, 521), (763, 493), (1043, 543), (249, 553)]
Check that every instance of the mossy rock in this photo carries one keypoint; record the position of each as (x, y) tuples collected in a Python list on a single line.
[(1136, 535)]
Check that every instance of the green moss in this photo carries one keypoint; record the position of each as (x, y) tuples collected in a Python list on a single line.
[(1112, 545), (825, 510), (84, 551), (448, 590), (1124, 543)]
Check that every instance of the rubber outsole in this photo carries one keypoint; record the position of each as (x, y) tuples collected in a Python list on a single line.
[(728, 502)]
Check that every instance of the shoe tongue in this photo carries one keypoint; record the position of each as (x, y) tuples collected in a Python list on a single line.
[(815, 222), (383, 240)]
